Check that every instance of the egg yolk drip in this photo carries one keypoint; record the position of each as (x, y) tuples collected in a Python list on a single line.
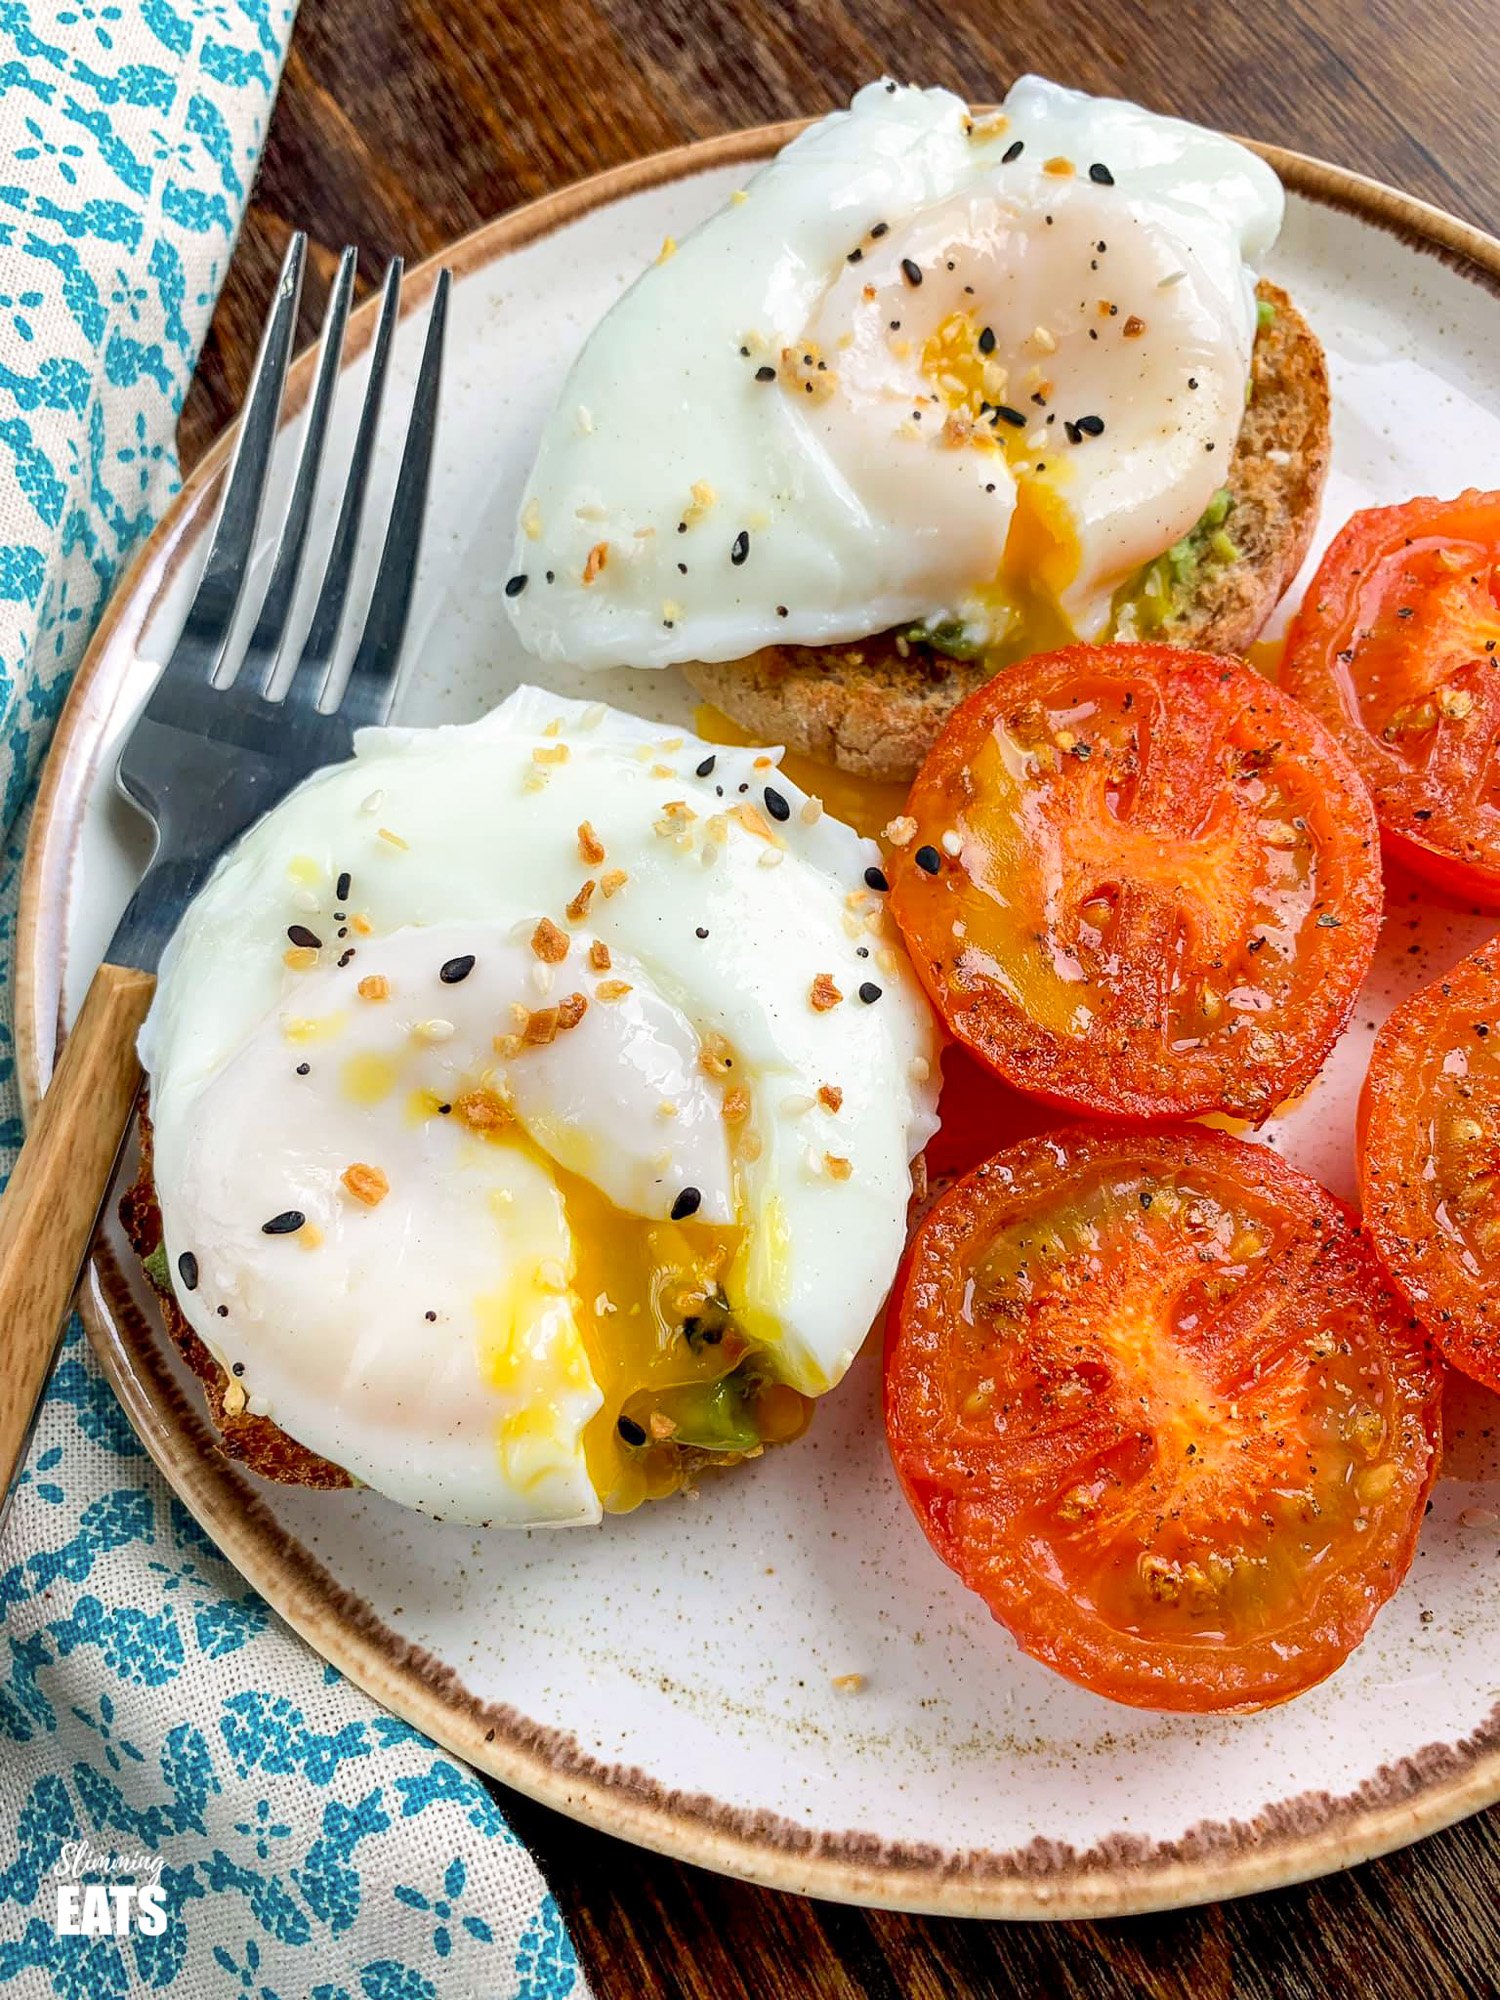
[(681, 1382), (1022, 604)]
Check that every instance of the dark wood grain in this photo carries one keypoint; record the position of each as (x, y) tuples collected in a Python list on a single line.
[(404, 122)]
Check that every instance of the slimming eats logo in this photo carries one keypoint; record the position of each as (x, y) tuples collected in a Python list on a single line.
[(128, 1899)]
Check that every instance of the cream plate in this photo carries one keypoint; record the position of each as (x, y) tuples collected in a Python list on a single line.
[(673, 1677)]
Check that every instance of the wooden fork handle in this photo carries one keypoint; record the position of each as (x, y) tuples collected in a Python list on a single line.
[(51, 1206)]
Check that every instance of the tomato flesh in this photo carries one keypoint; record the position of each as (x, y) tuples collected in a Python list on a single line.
[(1397, 649), (1151, 1396), (1139, 882), (1430, 1158)]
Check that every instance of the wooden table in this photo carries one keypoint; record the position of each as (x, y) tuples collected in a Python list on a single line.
[(404, 122)]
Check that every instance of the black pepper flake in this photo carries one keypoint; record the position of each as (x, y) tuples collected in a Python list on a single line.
[(304, 1069), (187, 1270), (1101, 176), (740, 548), (630, 1430), (765, 373), (875, 879), (1091, 426), (705, 769), (342, 887), (987, 340), (928, 860), (457, 969), (301, 935), (1013, 152), (1004, 414), (1329, 922), (430, 1317), (911, 271), (861, 951), (782, 611), (1145, 1199), (687, 1203), (701, 931), (776, 805), (287, 1223), (223, 1312), (869, 993), (514, 585)]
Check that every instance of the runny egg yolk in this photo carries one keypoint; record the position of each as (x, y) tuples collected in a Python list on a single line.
[(1022, 603), (676, 1374)]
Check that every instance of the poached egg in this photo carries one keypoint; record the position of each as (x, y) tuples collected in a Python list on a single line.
[(533, 1099), (930, 370)]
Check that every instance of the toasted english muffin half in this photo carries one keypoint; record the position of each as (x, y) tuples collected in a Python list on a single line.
[(875, 706)]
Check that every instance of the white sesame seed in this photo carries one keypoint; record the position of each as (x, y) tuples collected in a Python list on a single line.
[(373, 803), (593, 715), (541, 977), (710, 853), (585, 419), (304, 899), (1172, 278), (771, 857), (952, 842), (1478, 1517), (919, 1069), (590, 511), (435, 1030), (797, 1105), (812, 811)]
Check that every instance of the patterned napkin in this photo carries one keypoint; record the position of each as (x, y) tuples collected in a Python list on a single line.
[(159, 1727)]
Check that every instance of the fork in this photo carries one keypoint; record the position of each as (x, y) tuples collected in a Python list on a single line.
[(210, 753)]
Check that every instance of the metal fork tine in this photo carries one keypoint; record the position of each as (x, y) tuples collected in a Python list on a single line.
[(372, 677), (328, 613), (211, 613), (270, 626)]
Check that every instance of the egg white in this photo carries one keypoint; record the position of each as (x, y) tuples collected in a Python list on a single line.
[(681, 507), (432, 1344)]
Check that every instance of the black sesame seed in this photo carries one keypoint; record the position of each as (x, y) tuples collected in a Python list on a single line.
[(239, 1366), (987, 340), (705, 769), (911, 271), (515, 585), (223, 1312), (861, 951), (928, 860), (776, 805), (880, 229), (444, 1110), (1075, 435), (552, 576), (782, 611), (765, 373), (301, 935), (869, 993), (346, 956), (701, 931), (187, 1270), (430, 1317), (855, 255), (1091, 426), (287, 1223), (1101, 176), (875, 879), (686, 1204), (342, 887), (1013, 152), (457, 969), (741, 547), (1006, 415), (630, 1430), (304, 1069)]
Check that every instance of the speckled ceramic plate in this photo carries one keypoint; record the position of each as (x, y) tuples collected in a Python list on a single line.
[(674, 1676)]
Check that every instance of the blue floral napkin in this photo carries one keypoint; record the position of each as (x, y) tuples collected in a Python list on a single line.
[(189, 1800)]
